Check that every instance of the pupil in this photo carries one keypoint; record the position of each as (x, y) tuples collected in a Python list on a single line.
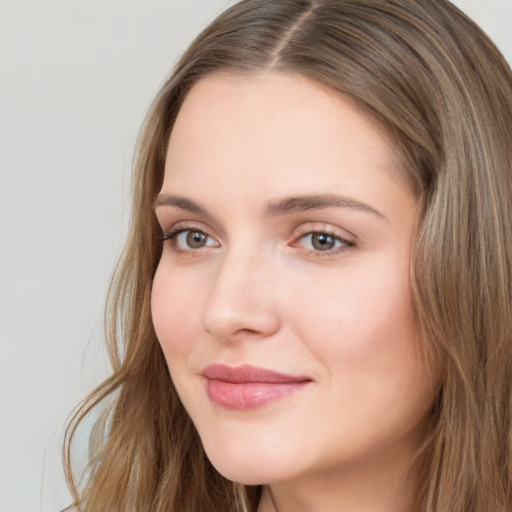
[(323, 242), (195, 239)]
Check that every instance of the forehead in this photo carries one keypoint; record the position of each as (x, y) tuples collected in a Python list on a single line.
[(274, 131)]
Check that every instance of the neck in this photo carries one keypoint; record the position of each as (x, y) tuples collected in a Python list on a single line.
[(384, 486)]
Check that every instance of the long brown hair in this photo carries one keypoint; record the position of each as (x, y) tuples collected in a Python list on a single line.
[(435, 82)]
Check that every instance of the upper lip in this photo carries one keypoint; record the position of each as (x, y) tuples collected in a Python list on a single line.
[(247, 373)]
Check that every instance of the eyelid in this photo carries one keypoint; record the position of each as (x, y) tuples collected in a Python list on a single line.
[(169, 217), (185, 225)]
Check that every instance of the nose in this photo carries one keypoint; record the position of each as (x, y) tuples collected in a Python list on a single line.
[(242, 302)]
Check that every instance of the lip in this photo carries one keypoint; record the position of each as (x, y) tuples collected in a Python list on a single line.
[(247, 387)]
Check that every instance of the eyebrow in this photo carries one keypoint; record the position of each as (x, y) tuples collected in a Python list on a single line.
[(180, 202), (316, 202), (278, 207)]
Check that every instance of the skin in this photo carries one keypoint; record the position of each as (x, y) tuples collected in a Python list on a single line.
[(259, 290)]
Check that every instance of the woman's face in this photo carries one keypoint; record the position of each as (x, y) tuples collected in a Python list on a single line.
[(282, 300)]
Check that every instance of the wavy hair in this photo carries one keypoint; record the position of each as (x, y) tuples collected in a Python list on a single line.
[(443, 92)]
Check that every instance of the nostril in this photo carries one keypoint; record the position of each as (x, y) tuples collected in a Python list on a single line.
[(236, 335)]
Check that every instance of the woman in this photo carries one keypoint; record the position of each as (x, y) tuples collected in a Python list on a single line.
[(313, 310)]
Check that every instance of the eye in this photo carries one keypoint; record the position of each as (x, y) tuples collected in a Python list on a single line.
[(324, 242), (190, 239)]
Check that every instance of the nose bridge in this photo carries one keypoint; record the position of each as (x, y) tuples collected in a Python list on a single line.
[(241, 299)]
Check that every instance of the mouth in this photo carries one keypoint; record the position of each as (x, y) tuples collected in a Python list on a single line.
[(248, 387)]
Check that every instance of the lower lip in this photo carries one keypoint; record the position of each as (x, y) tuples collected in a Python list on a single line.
[(249, 395)]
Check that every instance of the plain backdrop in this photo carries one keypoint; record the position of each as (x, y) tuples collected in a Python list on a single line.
[(76, 79)]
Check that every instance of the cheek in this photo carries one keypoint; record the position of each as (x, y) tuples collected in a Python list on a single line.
[(174, 309), (366, 338), (363, 325)]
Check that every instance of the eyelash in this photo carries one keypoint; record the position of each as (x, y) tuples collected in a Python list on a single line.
[(346, 245)]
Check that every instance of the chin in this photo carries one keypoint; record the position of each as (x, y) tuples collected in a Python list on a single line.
[(244, 466)]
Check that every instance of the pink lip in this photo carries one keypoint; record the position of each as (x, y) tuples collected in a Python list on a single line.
[(247, 387)]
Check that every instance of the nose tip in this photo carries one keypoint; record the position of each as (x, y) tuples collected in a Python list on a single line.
[(241, 302)]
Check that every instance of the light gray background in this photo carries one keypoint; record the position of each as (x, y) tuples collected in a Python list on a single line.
[(76, 78)]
